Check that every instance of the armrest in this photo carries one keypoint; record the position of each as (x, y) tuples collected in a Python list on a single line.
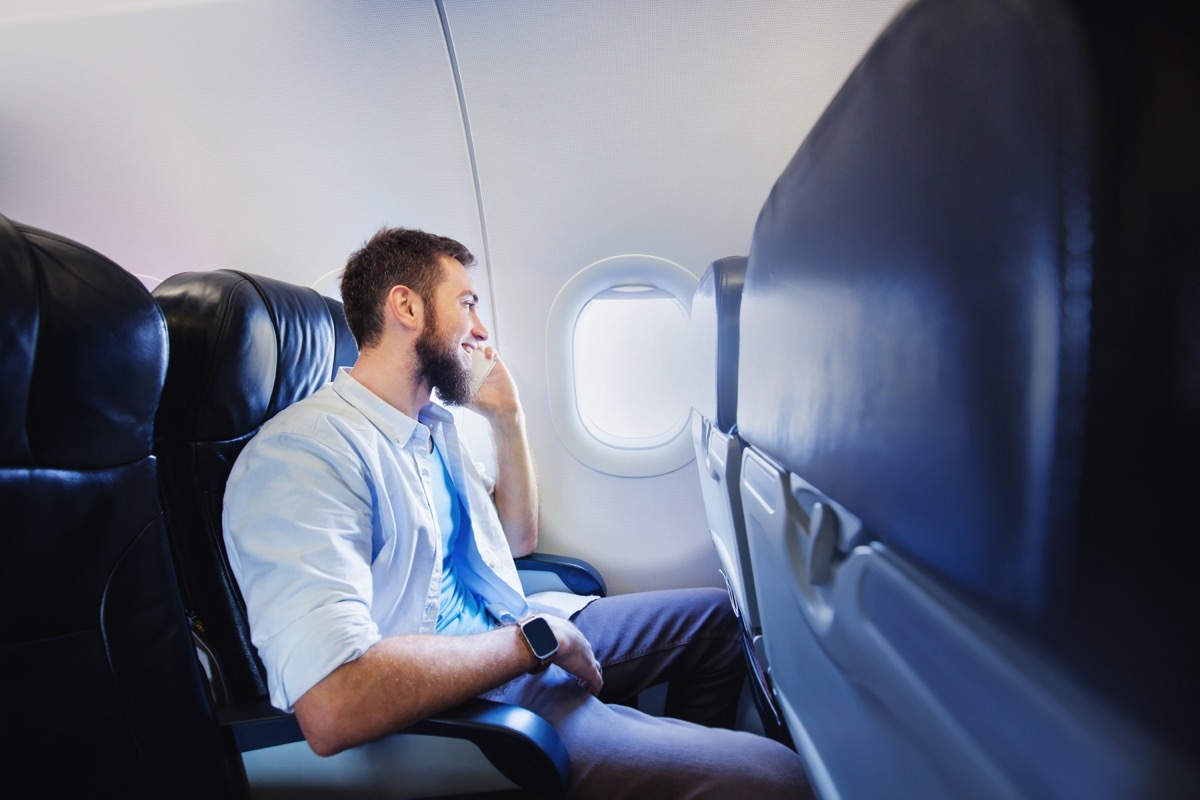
[(254, 726), (519, 744), (547, 572)]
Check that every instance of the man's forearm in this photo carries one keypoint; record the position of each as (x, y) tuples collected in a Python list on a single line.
[(404, 679)]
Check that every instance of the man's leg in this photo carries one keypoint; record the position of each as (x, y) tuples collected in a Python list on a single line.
[(689, 638), (619, 752)]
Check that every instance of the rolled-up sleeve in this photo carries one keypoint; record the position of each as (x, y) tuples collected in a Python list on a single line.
[(298, 531)]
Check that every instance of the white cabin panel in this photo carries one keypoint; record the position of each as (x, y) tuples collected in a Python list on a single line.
[(272, 136), (608, 128)]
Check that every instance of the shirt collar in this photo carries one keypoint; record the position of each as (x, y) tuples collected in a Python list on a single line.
[(432, 412), (393, 423)]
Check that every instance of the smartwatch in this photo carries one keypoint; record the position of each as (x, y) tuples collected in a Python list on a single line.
[(541, 641)]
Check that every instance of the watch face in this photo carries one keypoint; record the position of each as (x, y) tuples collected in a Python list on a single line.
[(541, 638)]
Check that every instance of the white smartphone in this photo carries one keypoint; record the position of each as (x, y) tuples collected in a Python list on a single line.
[(481, 366)]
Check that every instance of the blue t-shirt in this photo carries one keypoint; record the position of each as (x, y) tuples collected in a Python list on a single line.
[(460, 611)]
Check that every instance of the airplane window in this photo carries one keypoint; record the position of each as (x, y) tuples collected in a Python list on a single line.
[(628, 366), (617, 362)]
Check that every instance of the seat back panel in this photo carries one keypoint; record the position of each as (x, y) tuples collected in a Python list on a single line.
[(933, 480)]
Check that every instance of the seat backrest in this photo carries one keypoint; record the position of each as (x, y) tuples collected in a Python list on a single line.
[(713, 332), (243, 347), (100, 678), (975, 261)]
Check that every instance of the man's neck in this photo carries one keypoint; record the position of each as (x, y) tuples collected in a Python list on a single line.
[(392, 379)]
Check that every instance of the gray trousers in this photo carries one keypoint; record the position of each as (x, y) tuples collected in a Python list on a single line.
[(690, 639)]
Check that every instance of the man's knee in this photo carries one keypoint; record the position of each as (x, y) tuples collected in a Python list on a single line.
[(718, 612)]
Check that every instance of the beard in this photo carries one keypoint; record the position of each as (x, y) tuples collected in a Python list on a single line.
[(438, 363)]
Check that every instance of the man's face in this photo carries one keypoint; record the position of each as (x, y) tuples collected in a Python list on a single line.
[(452, 330)]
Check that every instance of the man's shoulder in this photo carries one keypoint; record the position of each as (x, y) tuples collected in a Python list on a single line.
[(321, 402), (324, 415)]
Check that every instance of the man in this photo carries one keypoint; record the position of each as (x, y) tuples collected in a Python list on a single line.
[(377, 564)]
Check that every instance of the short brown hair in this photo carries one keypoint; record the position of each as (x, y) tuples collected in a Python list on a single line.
[(392, 257)]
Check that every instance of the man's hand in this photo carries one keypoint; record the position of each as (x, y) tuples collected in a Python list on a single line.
[(497, 397), (575, 654)]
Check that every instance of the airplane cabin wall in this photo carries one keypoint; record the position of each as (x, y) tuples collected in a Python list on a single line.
[(274, 136)]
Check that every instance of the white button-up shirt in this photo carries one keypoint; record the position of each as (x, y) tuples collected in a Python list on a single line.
[(333, 536)]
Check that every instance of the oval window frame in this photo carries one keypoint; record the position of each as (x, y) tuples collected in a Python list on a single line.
[(594, 279)]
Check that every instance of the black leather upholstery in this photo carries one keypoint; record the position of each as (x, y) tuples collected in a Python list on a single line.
[(977, 272), (932, 294), (98, 665), (242, 348)]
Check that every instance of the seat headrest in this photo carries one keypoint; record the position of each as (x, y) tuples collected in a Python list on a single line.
[(243, 347), (713, 331), (83, 355)]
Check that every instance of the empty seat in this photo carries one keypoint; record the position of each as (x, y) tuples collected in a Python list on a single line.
[(965, 538), (98, 664), (713, 333)]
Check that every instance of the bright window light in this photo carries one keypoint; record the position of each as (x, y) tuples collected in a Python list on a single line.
[(617, 365), (629, 367)]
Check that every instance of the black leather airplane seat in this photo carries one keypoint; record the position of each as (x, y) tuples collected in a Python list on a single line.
[(100, 683), (243, 347), (713, 334), (970, 542)]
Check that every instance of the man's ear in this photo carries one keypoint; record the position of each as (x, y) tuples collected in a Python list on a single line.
[(406, 307)]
